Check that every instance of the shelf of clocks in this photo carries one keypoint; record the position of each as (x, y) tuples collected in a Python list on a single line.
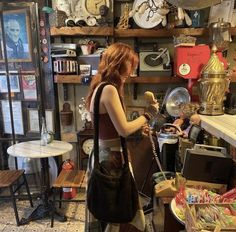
[(76, 79), (126, 33)]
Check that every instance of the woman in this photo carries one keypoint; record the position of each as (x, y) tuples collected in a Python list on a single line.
[(116, 65)]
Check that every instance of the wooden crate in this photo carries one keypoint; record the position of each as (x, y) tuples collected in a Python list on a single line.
[(191, 223)]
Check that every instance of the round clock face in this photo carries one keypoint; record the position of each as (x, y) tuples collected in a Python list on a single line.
[(92, 6), (87, 146)]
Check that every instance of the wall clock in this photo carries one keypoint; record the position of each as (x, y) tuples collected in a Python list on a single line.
[(85, 141), (92, 6)]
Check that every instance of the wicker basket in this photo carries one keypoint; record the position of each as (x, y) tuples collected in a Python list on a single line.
[(57, 18)]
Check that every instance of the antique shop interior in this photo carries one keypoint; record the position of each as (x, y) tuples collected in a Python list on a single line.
[(184, 170)]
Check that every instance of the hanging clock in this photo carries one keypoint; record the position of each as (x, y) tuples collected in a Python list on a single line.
[(85, 141), (92, 6)]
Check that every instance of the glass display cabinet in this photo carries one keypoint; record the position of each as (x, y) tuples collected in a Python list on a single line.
[(23, 81)]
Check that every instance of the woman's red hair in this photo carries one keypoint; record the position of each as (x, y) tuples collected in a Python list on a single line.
[(112, 68)]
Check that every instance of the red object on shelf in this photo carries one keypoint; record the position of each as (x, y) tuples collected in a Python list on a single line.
[(189, 61), (68, 193)]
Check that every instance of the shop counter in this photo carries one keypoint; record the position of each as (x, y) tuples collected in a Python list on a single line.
[(222, 126)]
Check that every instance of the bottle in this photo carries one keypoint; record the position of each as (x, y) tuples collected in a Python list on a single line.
[(44, 133)]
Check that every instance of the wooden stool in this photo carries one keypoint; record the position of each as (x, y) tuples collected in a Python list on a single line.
[(12, 179), (66, 179)]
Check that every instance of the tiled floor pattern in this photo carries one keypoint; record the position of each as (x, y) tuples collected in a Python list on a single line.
[(75, 213)]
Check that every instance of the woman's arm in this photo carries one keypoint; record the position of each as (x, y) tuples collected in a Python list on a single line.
[(111, 101)]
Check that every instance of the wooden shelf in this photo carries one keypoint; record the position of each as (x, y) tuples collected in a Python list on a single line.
[(67, 79), (155, 80), (126, 33), (160, 32), (76, 79), (86, 31)]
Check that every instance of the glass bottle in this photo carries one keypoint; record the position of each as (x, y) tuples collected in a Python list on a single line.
[(43, 133)]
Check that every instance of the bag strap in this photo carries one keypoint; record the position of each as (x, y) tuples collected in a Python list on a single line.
[(96, 128)]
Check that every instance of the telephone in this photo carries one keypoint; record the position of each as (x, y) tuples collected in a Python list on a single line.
[(165, 188)]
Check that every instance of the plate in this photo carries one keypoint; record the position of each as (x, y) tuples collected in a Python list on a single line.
[(32, 166), (174, 209), (142, 19)]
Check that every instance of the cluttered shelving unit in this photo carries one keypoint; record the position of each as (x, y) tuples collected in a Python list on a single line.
[(128, 33)]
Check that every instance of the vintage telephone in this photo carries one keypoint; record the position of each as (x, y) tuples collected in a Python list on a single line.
[(165, 187)]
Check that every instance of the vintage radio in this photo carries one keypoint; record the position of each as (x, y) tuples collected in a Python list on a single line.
[(207, 166), (155, 63), (188, 61)]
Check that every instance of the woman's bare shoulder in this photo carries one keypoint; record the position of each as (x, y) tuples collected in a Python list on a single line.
[(110, 90)]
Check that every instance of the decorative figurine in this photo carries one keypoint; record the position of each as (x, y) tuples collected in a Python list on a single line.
[(124, 19), (103, 20), (85, 115)]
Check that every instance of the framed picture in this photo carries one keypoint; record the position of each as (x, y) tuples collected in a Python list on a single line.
[(17, 35), (132, 112), (14, 83), (33, 120), (29, 86), (17, 116), (223, 10), (49, 115), (85, 69), (1, 46)]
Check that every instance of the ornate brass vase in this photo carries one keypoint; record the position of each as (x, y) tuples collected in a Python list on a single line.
[(212, 86)]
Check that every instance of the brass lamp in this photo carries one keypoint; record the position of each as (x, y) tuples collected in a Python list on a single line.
[(212, 86)]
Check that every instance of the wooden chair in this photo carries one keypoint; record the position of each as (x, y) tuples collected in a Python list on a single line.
[(14, 180), (66, 179)]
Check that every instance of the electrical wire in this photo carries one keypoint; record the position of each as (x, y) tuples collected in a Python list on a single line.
[(155, 153)]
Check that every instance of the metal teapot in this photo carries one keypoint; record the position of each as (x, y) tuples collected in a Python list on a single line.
[(168, 136)]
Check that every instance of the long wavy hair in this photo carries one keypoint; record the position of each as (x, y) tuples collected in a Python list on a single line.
[(113, 68)]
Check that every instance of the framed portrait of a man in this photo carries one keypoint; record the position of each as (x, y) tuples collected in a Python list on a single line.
[(17, 35)]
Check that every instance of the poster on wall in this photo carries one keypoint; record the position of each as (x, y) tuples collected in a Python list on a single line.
[(29, 87), (17, 116), (14, 83), (33, 120), (49, 120)]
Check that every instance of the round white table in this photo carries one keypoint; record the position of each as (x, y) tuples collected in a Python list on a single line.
[(33, 149)]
